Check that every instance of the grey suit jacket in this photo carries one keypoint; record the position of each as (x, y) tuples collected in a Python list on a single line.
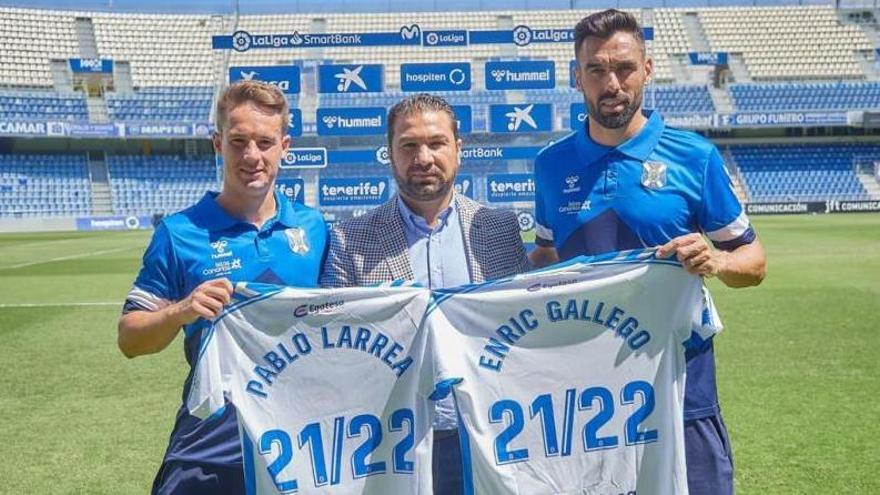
[(372, 248)]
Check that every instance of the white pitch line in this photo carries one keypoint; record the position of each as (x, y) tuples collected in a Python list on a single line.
[(57, 305), (63, 258)]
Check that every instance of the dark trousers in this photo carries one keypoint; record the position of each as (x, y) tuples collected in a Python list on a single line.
[(709, 458), (446, 464)]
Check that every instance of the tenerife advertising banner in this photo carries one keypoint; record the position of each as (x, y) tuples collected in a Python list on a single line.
[(292, 188), (362, 191), (464, 185), (506, 188)]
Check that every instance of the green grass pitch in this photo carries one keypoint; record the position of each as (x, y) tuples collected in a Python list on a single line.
[(798, 366)]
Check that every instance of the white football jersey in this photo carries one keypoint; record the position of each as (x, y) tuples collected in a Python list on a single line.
[(572, 380), (325, 383)]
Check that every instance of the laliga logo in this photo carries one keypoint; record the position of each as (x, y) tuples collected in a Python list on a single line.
[(382, 155), (522, 35), (330, 121), (526, 221), (432, 38), (498, 74), (241, 41), (411, 32), (290, 157)]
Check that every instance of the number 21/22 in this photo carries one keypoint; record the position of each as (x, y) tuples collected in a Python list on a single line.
[(598, 399), (310, 438)]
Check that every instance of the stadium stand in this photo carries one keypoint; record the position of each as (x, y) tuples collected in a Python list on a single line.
[(159, 184), (806, 96), (163, 50), (23, 105), (784, 43), (44, 185), (802, 58), (177, 104), (30, 40), (801, 172)]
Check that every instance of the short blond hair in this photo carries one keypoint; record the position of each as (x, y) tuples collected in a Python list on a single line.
[(261, 94)]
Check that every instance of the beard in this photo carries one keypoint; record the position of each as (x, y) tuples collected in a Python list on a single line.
[(424, 188), (618, 120)]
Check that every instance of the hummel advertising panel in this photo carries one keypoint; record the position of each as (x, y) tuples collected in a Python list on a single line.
[(304, 158), (524, 117), (435, 77), (295, 123), (286, 77), (539, 74), (293, 188), (465, 118), (464, 184), (351, 78), (506, 188), (351, 121), (364, 191)]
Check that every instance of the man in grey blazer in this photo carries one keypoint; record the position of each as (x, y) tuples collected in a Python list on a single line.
[(427, 233)]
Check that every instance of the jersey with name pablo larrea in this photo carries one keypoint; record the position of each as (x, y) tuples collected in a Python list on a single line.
[(325, 383), (572, 380)]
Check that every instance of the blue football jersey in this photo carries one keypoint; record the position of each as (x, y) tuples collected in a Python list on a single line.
[(660, 184), (202, 243)]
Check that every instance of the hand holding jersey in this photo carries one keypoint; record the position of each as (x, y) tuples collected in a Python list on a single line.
[(205, 301)]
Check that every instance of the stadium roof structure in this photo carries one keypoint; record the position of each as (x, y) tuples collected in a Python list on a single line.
[(366, 6)]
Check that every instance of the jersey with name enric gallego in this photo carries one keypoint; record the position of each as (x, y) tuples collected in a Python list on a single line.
[(571, 380)]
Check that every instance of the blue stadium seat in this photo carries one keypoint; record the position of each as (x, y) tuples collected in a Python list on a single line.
[(802, 172)]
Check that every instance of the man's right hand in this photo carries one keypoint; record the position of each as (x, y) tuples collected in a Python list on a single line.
[(205, 301)]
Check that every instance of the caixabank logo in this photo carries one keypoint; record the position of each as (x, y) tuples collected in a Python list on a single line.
[(364, 191)]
